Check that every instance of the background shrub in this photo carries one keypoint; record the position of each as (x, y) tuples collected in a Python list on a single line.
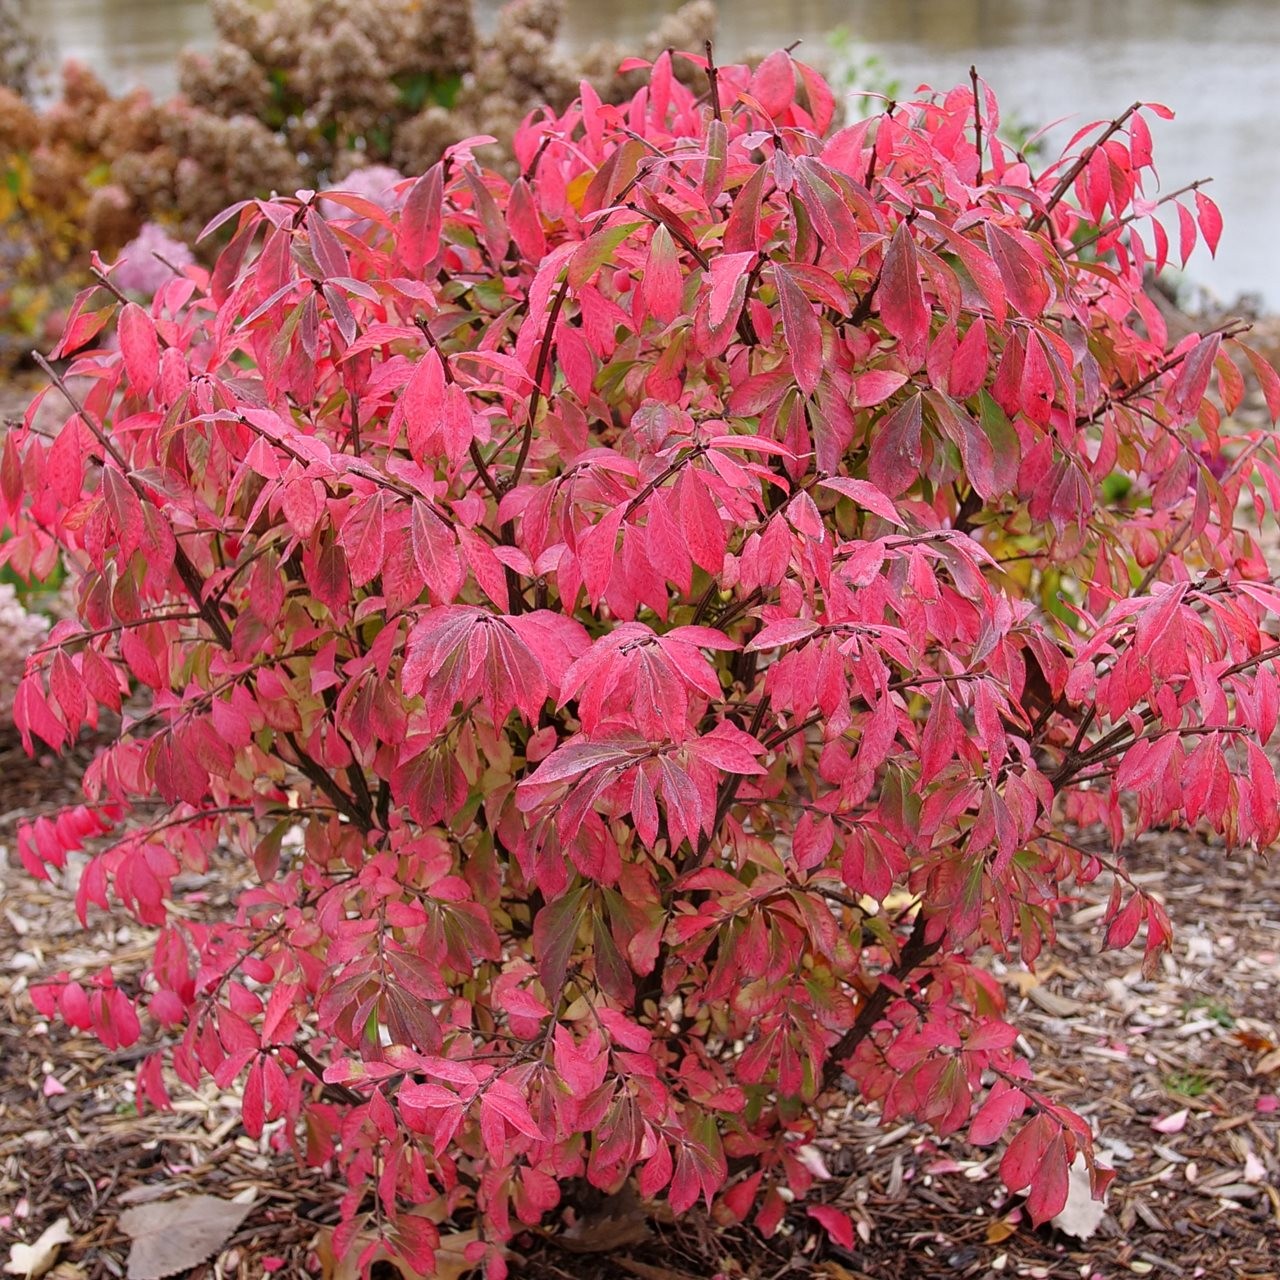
[(299, 93), (644, 622)]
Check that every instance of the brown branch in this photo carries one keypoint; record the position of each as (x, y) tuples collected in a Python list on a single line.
[(1064, 183), (977, 122), (335, 1092), (913, 954), (535, 400), (191, 577), (713, 77), (319, 777), (1116, 223)]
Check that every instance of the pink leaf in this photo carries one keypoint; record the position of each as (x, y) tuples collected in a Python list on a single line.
[(1210, 218), (901, 298), (835, 1222), (802, 329), (1175, 1122)]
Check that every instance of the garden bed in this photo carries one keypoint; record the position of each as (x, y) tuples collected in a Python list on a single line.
[(1197, 1200)]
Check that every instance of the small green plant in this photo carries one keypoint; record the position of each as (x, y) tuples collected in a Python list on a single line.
[(1215, 1009), (1187, 1084), (860, 75)]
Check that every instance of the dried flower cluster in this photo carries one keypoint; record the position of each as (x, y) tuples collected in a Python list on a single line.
[(300, 93), (88, 172), (21, 52), (20, 632), (350, 82)]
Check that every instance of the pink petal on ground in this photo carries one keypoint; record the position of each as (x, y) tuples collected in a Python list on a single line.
[(1171, 1124)]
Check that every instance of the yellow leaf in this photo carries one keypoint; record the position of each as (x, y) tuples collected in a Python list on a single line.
[(1000, 1230)]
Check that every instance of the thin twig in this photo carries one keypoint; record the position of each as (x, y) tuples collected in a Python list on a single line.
[(977, 121), (1064, 183), (713, 76), (540, 372), (191, 577)]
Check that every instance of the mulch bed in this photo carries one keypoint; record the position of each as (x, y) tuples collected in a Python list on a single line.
[(1201, 1037)]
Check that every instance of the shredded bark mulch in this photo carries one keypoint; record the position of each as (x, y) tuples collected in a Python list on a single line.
[(1179, 1075)]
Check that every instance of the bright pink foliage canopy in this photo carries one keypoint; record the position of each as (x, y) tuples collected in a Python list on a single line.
[(645, 625)]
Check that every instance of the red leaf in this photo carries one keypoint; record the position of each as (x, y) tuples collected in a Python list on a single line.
[(662, 282), (363, 537), (728, 286), (1186, 231), (435, 553), (1267, 379), (774, 83), (420, 220), (865, 495), (1210, 218), (837, 1224), (140, 348), (525, 224), (901, 298), (1052, 1183), (876, 386), (555, 934), (742, 229), (1003, 1106), (802, 328), (896, 451), (1023, 276), (1021, 1160)]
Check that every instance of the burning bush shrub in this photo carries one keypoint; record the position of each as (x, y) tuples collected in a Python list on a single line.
[(645, 623)]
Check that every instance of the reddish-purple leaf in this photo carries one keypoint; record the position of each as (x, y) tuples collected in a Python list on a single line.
[(140, 348), (865, 495), (802, 328), (661, 283), (900, 295), (1022, 275), (420, 220), (896, 450)]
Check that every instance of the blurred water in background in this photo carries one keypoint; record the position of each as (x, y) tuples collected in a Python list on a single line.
[(1213, 61)]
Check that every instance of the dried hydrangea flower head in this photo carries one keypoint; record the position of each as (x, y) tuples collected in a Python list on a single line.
[(152, 258), (20, 633)]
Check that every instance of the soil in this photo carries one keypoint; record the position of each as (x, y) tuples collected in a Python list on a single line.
[(1179, 1075)]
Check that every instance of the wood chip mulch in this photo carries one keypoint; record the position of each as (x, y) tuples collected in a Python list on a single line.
[(1197, 1194)]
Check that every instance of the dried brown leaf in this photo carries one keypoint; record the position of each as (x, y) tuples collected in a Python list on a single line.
[(170, 1236), (647, 1271), (619, 1223), (451, 1261), (1000, 1230), (1082, 1214)]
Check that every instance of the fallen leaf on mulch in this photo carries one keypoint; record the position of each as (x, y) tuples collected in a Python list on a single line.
[(1082, 1215), (174, 1235), (33, 1260), (619, 1223), (1171, 1124), (1268, 1064), (647, 1271), (1001, 1229)]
